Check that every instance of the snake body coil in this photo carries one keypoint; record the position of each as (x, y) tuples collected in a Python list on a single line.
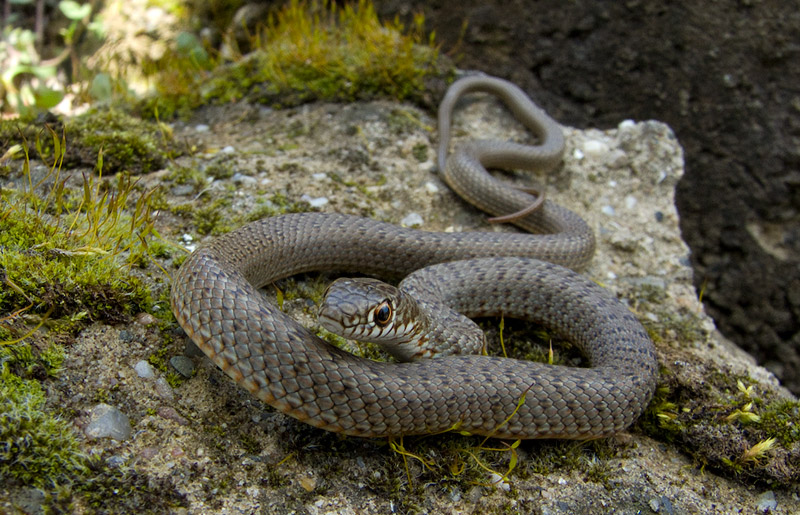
[(216, 300)]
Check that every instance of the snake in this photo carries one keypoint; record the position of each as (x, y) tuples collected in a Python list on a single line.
[(216, 300)]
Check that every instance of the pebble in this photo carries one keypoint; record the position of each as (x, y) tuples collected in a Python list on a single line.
[(595, 148), (608, 210), (240, 178), (431, 187), (630, 202), (146, 319), (319, 176), (183, 365), (411, 220), (28, 500), (766, 502), (187, 240), (108, 421), (201, 127), (164, 390), (125, 336), (314, 201), (661, 505), (228, 150), (182, 190), (144, 369)]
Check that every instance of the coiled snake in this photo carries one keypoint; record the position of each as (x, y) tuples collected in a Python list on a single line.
[(216, 300)]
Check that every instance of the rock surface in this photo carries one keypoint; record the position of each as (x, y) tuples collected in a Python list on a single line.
[(224, 451), (208, 446)]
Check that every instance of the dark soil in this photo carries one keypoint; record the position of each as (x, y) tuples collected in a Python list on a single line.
[(726, 76)]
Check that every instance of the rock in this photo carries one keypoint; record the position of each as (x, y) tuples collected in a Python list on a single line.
[(183, 365), (640, 258), (766, 502), (412, 220), (108, 421), (144, 369), (164, 390)]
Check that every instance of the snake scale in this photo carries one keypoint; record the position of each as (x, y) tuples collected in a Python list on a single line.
[(216, 300)]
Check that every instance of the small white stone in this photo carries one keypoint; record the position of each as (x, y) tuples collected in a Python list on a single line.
[(144, 369), (611, 276), (595, 148), (228, 150), (411, 220), (608, 210), (314, 201), (612, 184), (431, 187), (201, 127), (630, 202), (577, 154), (319, 176), (626, 125), (187, 240)]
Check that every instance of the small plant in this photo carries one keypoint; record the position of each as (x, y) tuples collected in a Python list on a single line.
[(30, 82), (62, 247)]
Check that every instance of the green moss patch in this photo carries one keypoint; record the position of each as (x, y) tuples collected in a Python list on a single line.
[(727, 422), (127, 143), (36, 448), (310, 51)]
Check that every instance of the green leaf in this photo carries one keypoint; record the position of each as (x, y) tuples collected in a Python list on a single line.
[(73, 10), (101, 87), (47, 98)]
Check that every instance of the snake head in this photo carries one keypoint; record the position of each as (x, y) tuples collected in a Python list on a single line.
[(372, 311)]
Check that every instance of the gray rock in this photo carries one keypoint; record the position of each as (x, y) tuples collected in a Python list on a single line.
[(164, 390), (183, 365), (108, 421), (766, 502), (144, 369)]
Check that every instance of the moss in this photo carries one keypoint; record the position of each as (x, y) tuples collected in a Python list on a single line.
[(700, 411), (188, 175), (36, 448), (127, 143), (107, 489), (309, 51), (420, 152), (29, 362), (209, 219)]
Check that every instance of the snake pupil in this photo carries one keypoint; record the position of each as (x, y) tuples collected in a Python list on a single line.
[(383, 313)]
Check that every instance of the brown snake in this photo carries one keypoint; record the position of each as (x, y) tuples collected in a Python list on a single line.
[(216, 300)]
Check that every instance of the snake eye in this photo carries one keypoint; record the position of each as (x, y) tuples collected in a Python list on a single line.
[(383, 313)]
